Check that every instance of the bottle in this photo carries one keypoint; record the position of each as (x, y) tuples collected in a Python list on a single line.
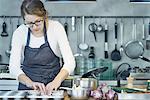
[(91, 59), (91, 54)]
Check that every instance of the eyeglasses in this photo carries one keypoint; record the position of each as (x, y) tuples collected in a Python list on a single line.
[(37, 23)]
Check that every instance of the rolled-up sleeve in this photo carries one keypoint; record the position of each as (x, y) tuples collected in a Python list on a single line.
[(15, 57)]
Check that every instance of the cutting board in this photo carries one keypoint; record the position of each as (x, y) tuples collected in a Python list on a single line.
[(134, 89)]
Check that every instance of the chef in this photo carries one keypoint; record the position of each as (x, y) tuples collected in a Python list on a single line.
[(37, 46)]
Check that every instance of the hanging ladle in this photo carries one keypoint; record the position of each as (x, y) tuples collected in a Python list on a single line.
[(83, 45), (78, 53), (4, 27), (100, 27)]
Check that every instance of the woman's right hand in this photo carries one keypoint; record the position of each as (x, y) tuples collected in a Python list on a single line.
[(37, 86)]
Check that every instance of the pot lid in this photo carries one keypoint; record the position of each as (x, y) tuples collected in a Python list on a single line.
[(94, 72)]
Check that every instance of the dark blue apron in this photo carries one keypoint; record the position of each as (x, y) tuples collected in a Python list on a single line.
[(40, 64)]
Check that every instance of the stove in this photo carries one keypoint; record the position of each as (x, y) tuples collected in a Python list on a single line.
[(141, 73), (141, 70)]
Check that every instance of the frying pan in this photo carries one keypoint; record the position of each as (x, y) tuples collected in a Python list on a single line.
[(94, 72)]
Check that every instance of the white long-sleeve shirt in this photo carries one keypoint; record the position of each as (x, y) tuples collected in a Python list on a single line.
[(58, 42)]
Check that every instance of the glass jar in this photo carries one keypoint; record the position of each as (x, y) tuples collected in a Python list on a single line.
[(80, 66), (90, 63)]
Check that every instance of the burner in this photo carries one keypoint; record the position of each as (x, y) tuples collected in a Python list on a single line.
[(141, 70)]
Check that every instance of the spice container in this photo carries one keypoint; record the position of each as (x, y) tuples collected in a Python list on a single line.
[(130, 82)]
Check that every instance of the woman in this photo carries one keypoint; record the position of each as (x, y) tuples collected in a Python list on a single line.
[(36, 48)]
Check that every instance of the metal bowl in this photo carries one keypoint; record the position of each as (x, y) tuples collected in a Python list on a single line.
[(80, 94), (86, 83), (77, 93)]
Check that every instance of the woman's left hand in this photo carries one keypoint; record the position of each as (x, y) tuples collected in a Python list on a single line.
[(52, 86)]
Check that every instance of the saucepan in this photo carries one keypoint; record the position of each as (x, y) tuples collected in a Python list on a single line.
[(86, 83), (89, 79), (76, 92)]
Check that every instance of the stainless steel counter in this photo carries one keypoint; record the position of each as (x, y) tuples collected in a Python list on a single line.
[(30, 94), (133, 96), (122, 82), (13, 85), (23, 94), (8, 84)]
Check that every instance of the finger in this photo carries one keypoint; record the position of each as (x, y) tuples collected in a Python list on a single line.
[(55, 88), (49, 90), (34, 87), (49, 93), (43, 88), (40, 87)]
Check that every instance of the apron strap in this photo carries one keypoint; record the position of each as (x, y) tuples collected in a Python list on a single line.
[(28, 37), (45, 34)]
